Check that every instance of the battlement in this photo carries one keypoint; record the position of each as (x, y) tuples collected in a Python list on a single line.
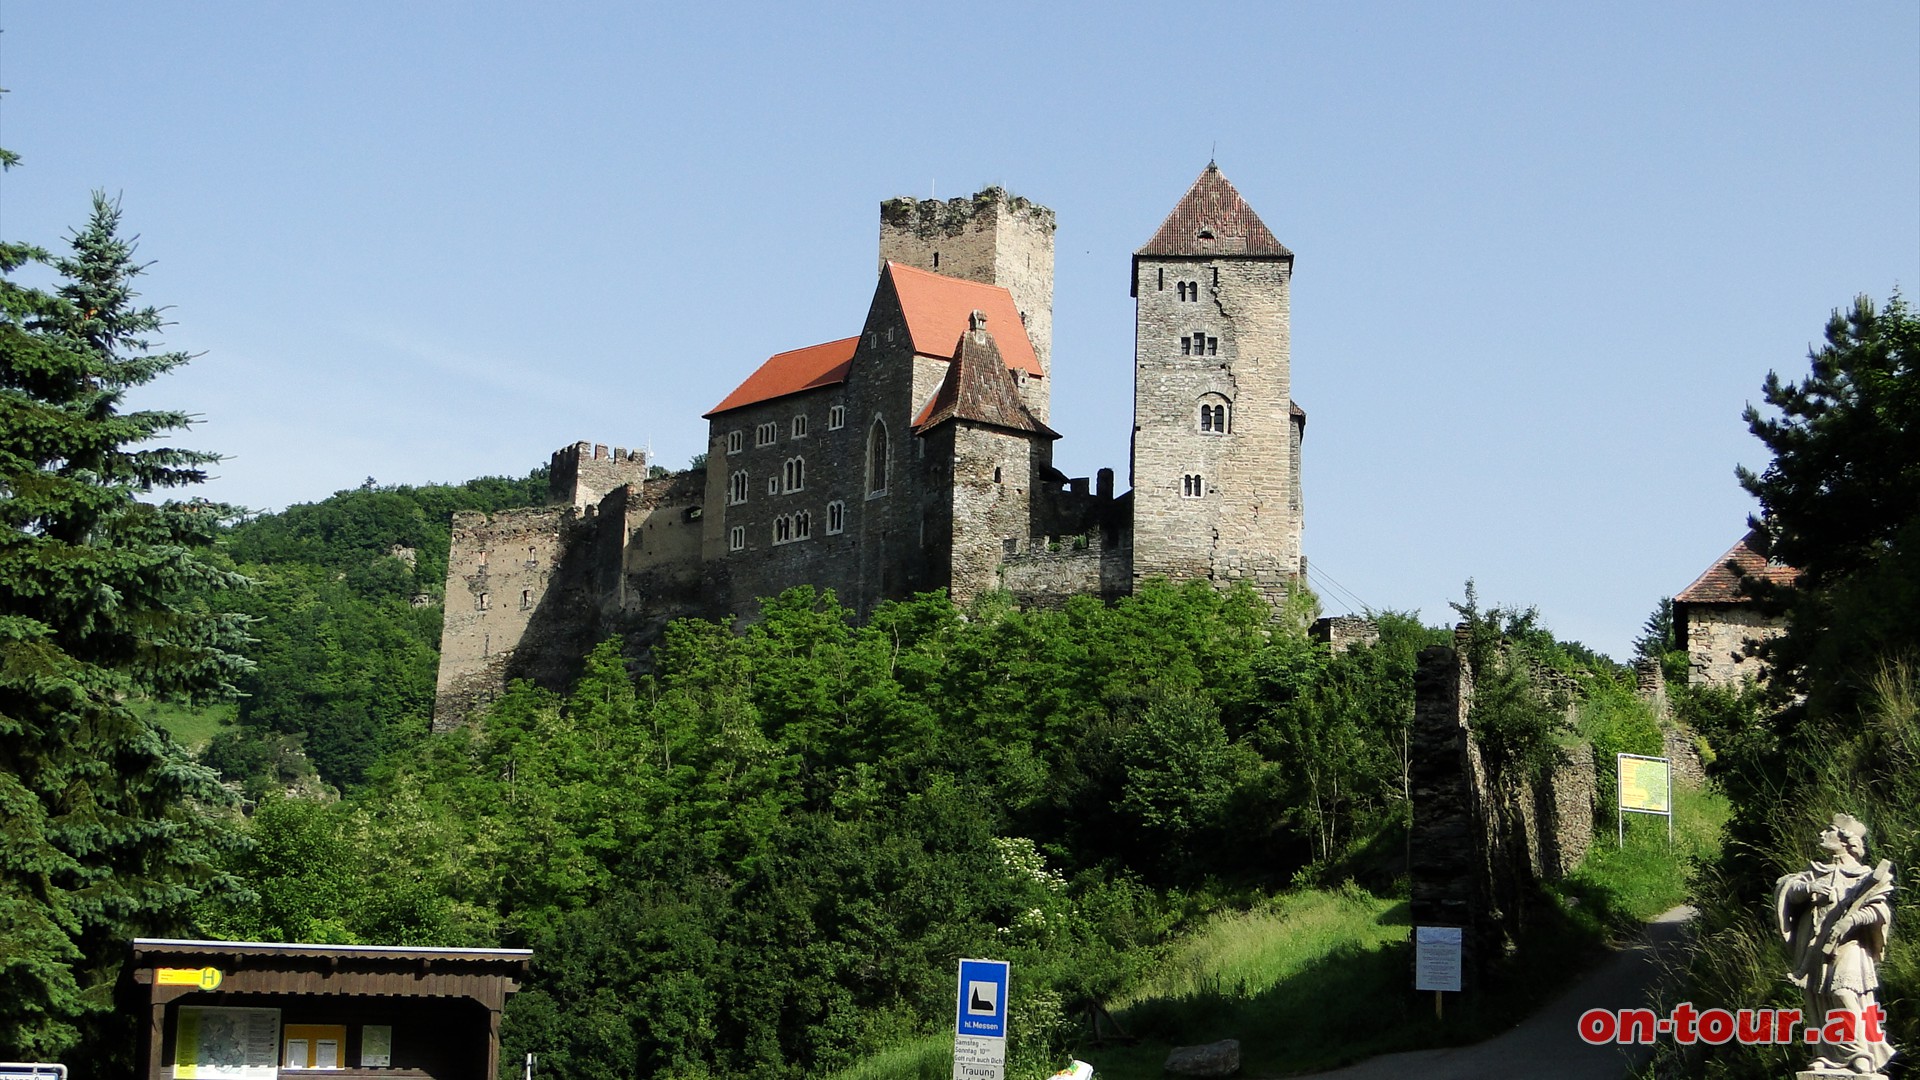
[(583, 474), (930, 218)]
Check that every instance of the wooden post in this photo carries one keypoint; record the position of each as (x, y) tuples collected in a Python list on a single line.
[(1439, 1000)]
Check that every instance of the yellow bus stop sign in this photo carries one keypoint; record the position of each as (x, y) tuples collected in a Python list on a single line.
[(205, 978)]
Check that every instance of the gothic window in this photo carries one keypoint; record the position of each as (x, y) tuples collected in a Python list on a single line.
[(877, 459), (1182, 287), (737, 488), (802, 526), (736, 538), (782, 529), (736, 441), (794, 474), (767, 433), (836, 418), (1193, 290), (800, 426), (836, 517), (1213, 415), (1192, 486)]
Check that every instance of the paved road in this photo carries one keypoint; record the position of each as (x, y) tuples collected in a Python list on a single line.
[(1546, 1044)]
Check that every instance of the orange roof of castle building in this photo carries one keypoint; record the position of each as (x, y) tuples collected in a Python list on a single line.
[(791, 372), (937, 308), (1721, 583), (979, 388), (1212, 219)]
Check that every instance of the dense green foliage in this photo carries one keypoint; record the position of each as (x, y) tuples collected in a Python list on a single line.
[(1838, 728), (102, 831)]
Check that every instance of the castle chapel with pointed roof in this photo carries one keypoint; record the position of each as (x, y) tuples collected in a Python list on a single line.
[(916, 455)]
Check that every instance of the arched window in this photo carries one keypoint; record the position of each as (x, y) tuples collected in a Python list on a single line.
[(1213, 415), (737, 487), (782, 529), (794, 474), (802, 525), (877, 459), (1192, 486), (836, 517)]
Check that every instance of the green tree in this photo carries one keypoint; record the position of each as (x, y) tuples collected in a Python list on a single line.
[(102, 832), (1840, 501)]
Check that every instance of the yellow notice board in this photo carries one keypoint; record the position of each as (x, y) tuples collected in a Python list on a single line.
[(207, 978), (1646, 784)]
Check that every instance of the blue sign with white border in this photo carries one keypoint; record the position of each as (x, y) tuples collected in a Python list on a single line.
[(981, 1008)]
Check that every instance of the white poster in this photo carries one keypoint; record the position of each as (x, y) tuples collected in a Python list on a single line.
[(979, 1057), (226, 1044), (1436, 957)]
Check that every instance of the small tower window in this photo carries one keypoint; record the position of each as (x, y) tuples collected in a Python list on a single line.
[(836, 418), (1213, 346), (836, 517), (936, 260), (1186, 346), (1213, 415), (526, 599), (1182, 288), (996, 474), (737, 538), (773, 485), (1161, 279), (1192, 486), (736, 441), (482, 602)]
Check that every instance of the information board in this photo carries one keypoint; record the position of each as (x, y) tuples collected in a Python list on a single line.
[(1645, 787), (226, 1044), (1436, 957)]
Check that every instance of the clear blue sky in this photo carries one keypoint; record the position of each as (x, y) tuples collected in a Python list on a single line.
[(1544, 255)]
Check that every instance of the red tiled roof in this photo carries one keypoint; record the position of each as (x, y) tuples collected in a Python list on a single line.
[(937, 308), (979, 388), (1212, 219), (1721, 583), (791, 372)]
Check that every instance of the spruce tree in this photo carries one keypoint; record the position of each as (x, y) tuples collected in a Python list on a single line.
[(105, 829)]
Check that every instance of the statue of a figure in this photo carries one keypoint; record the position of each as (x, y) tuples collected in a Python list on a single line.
[(1835, 917)]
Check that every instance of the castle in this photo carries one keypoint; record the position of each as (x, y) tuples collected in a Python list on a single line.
[(916, 455)]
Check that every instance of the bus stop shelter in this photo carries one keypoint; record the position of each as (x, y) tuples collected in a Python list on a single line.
[(250, 1010)]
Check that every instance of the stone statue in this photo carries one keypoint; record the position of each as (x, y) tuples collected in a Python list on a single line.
[(1834, 917)]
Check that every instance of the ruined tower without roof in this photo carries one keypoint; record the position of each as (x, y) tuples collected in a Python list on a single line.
[(1216, 437)]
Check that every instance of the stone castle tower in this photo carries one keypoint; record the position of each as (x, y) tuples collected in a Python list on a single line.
[(916, 455), (1216, 437), (995, 239)]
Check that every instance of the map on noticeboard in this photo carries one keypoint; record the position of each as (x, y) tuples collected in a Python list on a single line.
[(226, 1044), (1646, 784)]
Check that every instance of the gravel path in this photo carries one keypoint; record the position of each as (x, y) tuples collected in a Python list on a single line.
[(1546, 1044)]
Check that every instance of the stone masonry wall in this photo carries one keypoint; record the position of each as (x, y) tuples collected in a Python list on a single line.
[(500, 568), (584, 473), (1717, 639), (1243, 524), (1047, 571)]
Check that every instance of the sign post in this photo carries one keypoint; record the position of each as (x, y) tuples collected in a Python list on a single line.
[(1645, 787), (980, 1021), (1436, 961)]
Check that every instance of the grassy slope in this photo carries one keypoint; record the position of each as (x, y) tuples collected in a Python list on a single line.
[(191, 726), (1316, 978)]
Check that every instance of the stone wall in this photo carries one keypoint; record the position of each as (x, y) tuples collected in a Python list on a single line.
[(500, 569), (1480, 843), (1047, 571), (1342, 632), (1242, 522), (584, 473), (1717, 637)]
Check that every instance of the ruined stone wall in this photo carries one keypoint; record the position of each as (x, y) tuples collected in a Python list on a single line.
[(1242, 522), (500, 569), (1047, 571), (1343, 632), (993, 238), (1717, 637)]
